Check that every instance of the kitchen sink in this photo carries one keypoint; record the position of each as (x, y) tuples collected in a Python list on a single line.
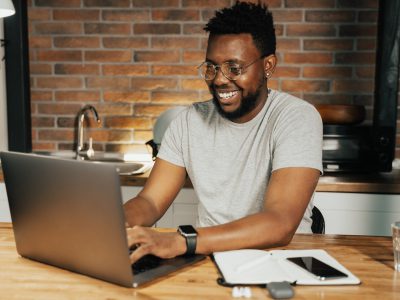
[(125, 164)]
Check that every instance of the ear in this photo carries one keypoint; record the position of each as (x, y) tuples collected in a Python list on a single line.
[(270, 62)]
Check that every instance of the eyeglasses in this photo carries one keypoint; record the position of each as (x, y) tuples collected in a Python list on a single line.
[(230, 70)]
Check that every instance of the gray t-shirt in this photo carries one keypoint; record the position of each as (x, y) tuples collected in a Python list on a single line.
[(230, 164)]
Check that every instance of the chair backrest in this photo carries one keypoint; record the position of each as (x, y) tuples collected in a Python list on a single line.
[(318, 221)]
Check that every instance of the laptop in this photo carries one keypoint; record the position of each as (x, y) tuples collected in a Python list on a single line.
[(69, 214)]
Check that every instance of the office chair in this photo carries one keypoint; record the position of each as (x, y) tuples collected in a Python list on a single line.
[(318, 222)]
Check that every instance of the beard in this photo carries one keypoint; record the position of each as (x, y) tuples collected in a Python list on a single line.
[(247, 104)]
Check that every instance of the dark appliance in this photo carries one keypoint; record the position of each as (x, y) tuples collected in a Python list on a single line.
[(371, 147)]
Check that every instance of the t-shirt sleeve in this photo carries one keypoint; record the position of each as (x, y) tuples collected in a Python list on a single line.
[(171, 144), (298, 139)]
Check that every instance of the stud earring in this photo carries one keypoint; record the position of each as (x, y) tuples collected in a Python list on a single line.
[(268, 75)]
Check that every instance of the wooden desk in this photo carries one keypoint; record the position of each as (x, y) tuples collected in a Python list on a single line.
[(369, 258)]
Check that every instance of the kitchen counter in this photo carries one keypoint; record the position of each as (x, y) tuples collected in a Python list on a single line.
[(369, 258), (379, 183)]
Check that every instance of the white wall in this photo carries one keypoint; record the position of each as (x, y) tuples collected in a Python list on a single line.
[(3, 103)]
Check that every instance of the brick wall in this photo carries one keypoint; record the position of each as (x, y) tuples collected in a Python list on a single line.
[(133, 59)]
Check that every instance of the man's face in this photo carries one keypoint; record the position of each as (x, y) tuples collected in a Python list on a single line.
[(238, 100)]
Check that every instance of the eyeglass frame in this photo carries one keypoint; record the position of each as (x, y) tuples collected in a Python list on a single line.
[(218, 67)]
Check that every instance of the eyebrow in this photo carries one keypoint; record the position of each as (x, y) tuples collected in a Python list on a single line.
[(227, 61)]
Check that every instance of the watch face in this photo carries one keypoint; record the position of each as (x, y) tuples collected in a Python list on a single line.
[(187, 229)]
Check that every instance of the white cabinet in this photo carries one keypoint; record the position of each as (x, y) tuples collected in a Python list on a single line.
[(357, 213), (182, 211), (4, 209)]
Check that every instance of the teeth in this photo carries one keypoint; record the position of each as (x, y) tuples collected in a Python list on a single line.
[(227, 95)]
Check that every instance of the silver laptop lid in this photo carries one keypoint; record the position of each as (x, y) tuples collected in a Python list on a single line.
[(68, 214)]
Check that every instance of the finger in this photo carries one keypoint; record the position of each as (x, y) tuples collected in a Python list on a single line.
[(138, 254), (135, 236)]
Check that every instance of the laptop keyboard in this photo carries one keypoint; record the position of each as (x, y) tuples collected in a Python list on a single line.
[(146, 263)]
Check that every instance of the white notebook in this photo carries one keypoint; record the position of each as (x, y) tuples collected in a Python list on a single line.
[(250, 266)]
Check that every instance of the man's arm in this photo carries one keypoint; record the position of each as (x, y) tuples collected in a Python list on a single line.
[(160, 190), (288, 194)]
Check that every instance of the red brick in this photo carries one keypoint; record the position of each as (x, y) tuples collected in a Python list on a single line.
[(107, 82), (58, 3), (35, 68), (56, 82), (108, 56), (142, 135), (37, 95), (358, 3), (309, 3), (59, 55), (284, 71), (76, 14), (154, 83), (128, 70), (305, 85), (311, 58), (38, 146), (327, 72), (151, 110), (155, 28), (323, 98), (175, 97), (58, 28), (310, 30), (39, 42), (84, 69), (114, 109), (331, 44), (56, 135), (126, 15), (175, 42), (77, 96), (328, 16), (130, 42), (368, 16), (106, 3), (43, 121), (270, 3), (175, 15), (170, 70), (358, 30), (129, 122), (59, 109), (206, 3), (77, 42), (107, 28), (353, 86), (365, 72), (127, 96), (40, 14), (65, 122), (355, 58), (111, 135), (194, 84), (366, 44), (194, 29), (68, 146), (194, 56), (155, 3), (157, 56), (288, 44), (283, 16)]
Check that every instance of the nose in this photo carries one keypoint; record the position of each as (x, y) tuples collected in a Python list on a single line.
[(219, 78)]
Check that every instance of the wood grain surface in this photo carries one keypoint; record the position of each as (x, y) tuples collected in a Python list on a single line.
[(369, 258)]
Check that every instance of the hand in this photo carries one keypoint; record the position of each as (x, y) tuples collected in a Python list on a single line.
[(148, 241)]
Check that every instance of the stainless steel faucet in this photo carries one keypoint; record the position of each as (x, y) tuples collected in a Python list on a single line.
[(81, 119)]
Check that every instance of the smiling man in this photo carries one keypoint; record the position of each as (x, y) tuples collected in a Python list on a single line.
[(254, 155)]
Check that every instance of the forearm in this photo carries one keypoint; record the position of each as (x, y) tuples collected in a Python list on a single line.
[(140, 211), (261, 230)]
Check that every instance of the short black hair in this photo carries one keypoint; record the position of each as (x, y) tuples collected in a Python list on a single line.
[(246, 17)]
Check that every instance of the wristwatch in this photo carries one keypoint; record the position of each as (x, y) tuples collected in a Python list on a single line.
[(190, 234)]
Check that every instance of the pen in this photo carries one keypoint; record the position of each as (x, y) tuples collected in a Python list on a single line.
[(253, 263)]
